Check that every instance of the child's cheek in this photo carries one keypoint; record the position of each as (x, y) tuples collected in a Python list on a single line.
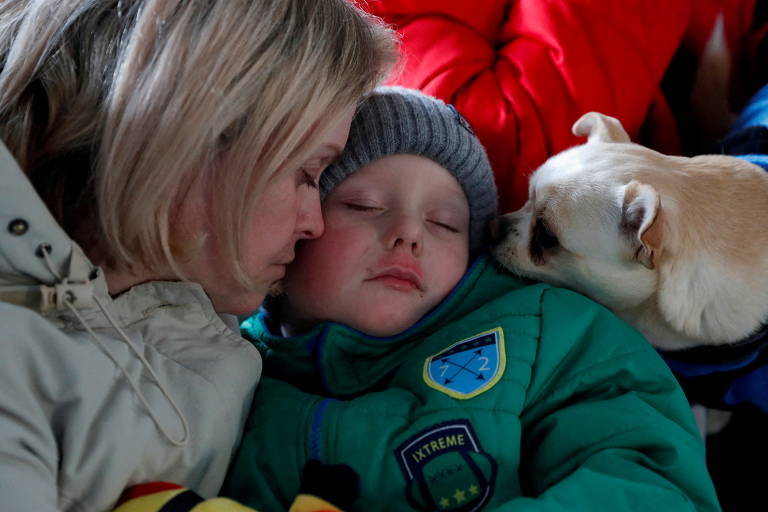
[(331, 259)]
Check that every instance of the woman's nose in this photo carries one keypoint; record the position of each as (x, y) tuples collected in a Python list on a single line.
[(309, 223)]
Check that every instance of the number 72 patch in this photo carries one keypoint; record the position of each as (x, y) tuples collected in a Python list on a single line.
[(468, 367)]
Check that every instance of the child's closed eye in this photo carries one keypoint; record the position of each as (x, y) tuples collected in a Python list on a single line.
[(360, 207), (445, 225)]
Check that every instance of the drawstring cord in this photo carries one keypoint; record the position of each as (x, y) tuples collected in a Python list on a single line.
[(67, 300)]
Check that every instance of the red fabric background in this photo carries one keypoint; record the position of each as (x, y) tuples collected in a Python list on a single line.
[(523, 71)]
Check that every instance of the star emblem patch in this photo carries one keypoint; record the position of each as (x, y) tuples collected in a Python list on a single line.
[(446, 469)]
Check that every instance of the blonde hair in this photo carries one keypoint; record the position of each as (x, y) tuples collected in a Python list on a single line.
[(115, 107)]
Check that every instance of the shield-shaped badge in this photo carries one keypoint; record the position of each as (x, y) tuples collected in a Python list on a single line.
[(446, 469), (468, 367)]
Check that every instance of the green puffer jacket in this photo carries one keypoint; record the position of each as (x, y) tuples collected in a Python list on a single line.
[(507, 397)]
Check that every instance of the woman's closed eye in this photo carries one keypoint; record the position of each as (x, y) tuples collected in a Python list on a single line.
[(310, 172), (308, 179)]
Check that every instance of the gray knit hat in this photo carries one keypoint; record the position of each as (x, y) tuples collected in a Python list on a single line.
[(396, 120)]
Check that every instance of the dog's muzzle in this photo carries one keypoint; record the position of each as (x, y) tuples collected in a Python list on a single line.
[(501, 226)]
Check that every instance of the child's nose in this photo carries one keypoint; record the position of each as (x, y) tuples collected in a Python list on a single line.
[(406, 233)]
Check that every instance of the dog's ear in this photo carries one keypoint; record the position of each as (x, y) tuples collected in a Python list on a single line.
[(600, 128), (641, 221)]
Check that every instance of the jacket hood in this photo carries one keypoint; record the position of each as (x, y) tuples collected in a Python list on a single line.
[(39, 262)]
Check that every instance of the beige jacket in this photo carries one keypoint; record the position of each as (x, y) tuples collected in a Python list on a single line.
[(83, 414)]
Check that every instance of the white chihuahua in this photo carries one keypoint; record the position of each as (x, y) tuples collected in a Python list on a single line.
[(676, 246)]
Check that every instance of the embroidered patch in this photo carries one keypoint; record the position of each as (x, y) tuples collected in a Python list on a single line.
[(446, 469), (468, 367)]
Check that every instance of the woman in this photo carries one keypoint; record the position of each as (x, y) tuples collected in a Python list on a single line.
[(179, 145)]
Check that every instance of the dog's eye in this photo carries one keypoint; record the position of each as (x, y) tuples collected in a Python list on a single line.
[(543, 236)]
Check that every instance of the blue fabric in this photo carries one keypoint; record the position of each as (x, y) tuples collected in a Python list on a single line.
[(704, 367), (726, 376), (755, 113), (750, 389), (748, 137), (761, 160)]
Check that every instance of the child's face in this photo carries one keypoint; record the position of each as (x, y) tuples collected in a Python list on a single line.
[(396, 242)]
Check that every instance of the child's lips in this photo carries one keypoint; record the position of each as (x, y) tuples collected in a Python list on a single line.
[(399, 279)]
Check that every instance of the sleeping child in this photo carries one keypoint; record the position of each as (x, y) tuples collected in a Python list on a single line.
[(400, 349)]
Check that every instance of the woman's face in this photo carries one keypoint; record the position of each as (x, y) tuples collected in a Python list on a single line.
[(287, 211)]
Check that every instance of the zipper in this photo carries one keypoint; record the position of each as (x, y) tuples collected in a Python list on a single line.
[(315, 438)]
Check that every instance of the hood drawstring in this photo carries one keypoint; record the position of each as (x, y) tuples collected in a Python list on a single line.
[(69, 295)]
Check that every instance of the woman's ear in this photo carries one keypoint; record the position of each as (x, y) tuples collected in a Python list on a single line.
[(600, 128)]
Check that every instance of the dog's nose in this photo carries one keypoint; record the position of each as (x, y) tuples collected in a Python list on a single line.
[(498, 227)]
